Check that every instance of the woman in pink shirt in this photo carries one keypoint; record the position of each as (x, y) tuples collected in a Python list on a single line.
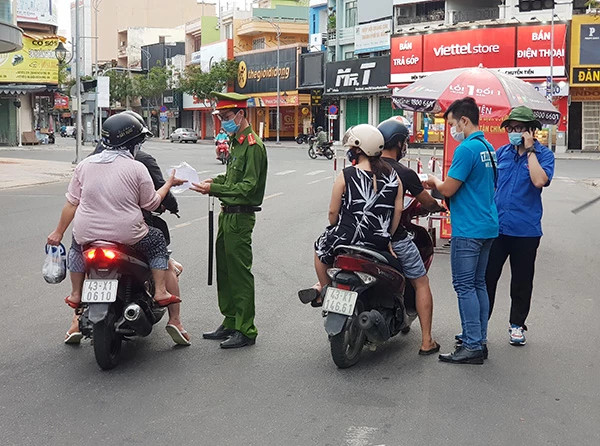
[(105, 200)]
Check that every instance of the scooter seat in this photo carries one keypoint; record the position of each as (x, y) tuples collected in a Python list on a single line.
[(379, 256)]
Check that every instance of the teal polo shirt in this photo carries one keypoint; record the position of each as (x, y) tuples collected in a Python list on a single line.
[(473, 211)]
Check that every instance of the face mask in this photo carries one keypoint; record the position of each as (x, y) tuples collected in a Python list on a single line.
[(352, 157), (458, 136), (402, 151), (230, 126), (515, 138)]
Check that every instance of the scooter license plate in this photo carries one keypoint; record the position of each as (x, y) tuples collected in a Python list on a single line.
[(99, 291), (340, 301)]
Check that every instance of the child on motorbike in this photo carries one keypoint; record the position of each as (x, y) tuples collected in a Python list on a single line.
[(365, 205)]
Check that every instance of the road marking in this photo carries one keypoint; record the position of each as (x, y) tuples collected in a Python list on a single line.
[(273, 196), (285, 172), (359, 435), (316, 172), (188, 223), (204, 171), (319, 180)]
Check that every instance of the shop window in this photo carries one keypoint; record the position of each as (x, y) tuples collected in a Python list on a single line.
[(258, 44), (272, 120)]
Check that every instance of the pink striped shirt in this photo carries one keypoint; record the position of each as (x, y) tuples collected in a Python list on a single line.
[(109, 199)]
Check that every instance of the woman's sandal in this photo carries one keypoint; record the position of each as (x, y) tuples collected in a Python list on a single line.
[(74, 338), (308, 295), (166, 302)]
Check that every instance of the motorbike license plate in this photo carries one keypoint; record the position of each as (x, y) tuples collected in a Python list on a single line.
[(340, 301), (99, 291)]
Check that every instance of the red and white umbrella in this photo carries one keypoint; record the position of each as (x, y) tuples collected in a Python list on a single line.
[(495, 93)]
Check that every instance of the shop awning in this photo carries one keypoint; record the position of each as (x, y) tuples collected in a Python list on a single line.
[(41, 36), (25, 89)]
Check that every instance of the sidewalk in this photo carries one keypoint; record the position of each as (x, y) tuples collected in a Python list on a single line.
[(16, 172)]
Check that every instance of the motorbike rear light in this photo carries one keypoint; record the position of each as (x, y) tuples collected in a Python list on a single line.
[(343, 286), (91, 254), (365, 278), (110, 255), (351, 263)]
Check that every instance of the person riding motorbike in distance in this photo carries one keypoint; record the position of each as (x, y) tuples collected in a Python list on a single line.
[(396, 136), (321, 139), (222, 136), (105, 199), (365, 206)]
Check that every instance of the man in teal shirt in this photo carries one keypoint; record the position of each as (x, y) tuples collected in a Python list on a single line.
[(470, 184)]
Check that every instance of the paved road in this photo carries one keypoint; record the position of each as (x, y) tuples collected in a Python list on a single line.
[(286, 390)]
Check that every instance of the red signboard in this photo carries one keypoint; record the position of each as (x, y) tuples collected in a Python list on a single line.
[(61, 102), (493, 48), (534, 44), (406, 55)]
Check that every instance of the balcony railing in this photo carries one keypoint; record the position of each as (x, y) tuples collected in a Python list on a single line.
[(343, 34), (435, 16), (467, 15)]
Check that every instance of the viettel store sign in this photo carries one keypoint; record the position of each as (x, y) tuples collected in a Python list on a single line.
[(522, 52)]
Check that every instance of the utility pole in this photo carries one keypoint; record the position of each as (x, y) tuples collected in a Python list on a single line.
[(78, 125)]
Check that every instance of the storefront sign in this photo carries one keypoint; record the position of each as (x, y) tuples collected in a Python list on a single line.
[(585, 54), (286, 100), (373, 37), (522, 52), (560, 88), (61, 102), (312, 70), (583, 94), (316, 97), (258, 72), (358, 76), (443, 51), (35, 64), (407, 57), (534, 45), (586, 75), (37, 11), (193, 103)]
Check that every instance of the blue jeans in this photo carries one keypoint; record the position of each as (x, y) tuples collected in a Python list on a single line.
[(469, 258)]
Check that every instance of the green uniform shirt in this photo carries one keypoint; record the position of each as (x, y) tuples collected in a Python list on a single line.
[(246, 176)]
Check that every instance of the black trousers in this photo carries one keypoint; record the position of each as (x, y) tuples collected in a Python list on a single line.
[(521, 252)]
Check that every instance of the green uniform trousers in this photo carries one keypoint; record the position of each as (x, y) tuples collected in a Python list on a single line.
[(235, 281)]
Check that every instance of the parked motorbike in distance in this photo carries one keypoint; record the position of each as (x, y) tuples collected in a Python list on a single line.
[(369, 300), (51, 138), (325, 149), (117, 299), (223, 149), (302, 138)]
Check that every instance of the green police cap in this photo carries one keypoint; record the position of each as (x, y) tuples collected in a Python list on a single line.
[(522, 114), (230, 100)]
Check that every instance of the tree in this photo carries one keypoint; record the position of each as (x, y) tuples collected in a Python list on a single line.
[(152, 86), (121, 86), (200, 83)]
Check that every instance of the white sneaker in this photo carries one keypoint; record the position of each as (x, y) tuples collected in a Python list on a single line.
[(517, 335)]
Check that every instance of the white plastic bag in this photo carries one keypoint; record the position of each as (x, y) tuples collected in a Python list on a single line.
[(55, 265)]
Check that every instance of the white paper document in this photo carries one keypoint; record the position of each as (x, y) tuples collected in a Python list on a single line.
[(184, 172)]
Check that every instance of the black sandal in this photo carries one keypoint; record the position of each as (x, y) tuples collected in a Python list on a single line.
[(308, 295)]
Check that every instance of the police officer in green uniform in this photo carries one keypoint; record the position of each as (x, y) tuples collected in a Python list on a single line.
[(241, 191)]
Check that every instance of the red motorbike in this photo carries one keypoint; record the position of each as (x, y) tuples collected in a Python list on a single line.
[(223, 150), (369, 300)]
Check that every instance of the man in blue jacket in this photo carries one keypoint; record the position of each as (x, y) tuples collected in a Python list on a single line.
[(525, 167)]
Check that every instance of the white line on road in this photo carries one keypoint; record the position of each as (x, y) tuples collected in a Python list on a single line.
[(204, 171), (319, 180), (360, 435), (285, 172), (188, 223), (316, 172), (273, 196)]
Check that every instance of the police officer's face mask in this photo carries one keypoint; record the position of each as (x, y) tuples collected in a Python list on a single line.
[(230, 126)]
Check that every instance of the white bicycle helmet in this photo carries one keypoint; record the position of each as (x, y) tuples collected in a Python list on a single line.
[(366, 137)]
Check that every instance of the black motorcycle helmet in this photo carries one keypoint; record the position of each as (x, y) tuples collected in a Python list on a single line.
[(139, 118), (394, 132), (123, 131)]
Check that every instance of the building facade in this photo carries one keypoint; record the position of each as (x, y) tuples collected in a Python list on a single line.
[(29, 77)]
